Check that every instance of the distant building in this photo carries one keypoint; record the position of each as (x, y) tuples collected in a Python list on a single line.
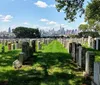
[(9, 30)]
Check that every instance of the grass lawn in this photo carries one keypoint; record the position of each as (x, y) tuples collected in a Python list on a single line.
[(51, 66)]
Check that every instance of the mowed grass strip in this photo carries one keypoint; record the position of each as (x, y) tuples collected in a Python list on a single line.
[(51, 66)]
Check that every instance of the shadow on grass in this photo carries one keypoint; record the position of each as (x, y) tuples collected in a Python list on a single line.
[(7, 58), (49, 62)]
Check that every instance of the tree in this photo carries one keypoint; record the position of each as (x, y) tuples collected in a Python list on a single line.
[(70, 8), (93, 11), (83, 27), (25, 32)]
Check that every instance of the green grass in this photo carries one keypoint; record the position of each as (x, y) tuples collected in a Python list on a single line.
[(51, 66)]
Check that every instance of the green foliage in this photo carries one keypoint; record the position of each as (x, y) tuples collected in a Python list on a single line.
[(93, 11), (83, 27), (70, 8), (88, 33), (25, 32)]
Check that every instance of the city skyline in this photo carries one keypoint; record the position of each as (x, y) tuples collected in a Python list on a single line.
[(40, 14)]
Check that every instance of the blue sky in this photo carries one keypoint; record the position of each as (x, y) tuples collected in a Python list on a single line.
[(33, 13)]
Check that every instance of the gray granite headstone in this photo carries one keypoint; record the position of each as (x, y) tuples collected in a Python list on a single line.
[(90, 57)]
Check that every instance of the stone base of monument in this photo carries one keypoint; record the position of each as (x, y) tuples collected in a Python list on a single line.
[(29, 61), (17, 64)]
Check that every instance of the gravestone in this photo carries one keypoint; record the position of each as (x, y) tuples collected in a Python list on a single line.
[(17, 64), (80, 56), (73, 51), (22, 57), (16, 45), (9, 46), (94, 44), (96, 73), (83, 58), (77, 52), (70, 48), (20, 44), (34, 45), (3, 49), (89, 41), (90, 58), (39, 45), (12, 46), (25, 49), (97, 43)]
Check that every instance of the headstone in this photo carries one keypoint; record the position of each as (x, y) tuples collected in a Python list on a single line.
[(89, 41), (17, 64), (12, 46), (94, 44), (39, 45), (83, 57), (22, 57), (97, 43), (80, 57), (70, 48), (73, 51), (9, 46), (90, 58), (3, 49), (16, 45), (34, 45), (25, 49), (96, 73), (77, 53)]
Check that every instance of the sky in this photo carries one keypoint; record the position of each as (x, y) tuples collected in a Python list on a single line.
[(40, 14)]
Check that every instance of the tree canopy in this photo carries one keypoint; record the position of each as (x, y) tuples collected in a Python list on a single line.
[(70, 8), (93, 11), (25, 32), (83, 27), (73, 7)]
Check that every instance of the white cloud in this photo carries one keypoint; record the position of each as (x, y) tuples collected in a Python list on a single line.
[(52, 23), (26, 23), (41, 4), (6, 18), (44, 20)]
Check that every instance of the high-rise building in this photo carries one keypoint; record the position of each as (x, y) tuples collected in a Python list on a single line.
[(9, 30)]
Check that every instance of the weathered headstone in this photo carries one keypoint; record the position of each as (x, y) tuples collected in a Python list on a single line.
[(39, 45), (73, 51), (21, 57), (25, 49), (80, 57), (83, 58), (77, 52), (12, 46), (16, 45), (97, 43), (17, 64), (90, 58), (70, 48), (3, 49), (34, 45), (96, 73), (9, 46)]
